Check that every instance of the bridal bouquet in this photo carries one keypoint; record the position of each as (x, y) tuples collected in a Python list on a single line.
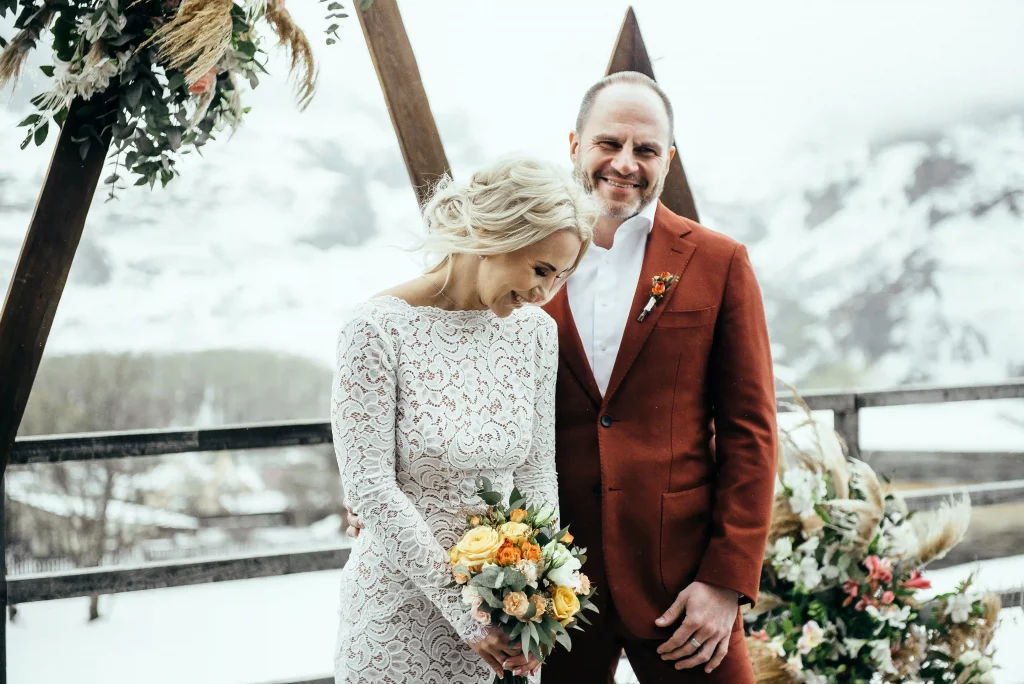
[(842, 578), (517, 572)]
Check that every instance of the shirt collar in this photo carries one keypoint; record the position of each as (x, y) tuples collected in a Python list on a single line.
[(643, 221)]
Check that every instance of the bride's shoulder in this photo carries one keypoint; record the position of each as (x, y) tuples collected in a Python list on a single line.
[(538, 320)]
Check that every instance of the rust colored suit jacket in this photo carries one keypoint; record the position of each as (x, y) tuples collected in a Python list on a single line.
[(638, 480)]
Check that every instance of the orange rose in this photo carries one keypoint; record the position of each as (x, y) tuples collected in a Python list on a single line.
[(542, 606), (531, 552), (665, 275), (566, 539), (508, 554), (474, 520), (460, 578), (659, 288), (518, 515)]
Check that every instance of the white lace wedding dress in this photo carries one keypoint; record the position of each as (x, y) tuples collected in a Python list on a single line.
[(424, 402)]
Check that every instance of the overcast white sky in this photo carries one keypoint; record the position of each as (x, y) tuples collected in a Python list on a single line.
[(752, 81)]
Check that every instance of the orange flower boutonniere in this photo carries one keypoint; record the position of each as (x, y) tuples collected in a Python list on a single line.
[(659, 287)]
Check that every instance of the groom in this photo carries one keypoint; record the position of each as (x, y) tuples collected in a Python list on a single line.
[(675, 528)]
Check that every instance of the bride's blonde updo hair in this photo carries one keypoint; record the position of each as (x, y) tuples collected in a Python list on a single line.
[(505, 207)]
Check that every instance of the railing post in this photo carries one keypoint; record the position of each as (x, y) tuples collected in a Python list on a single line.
[(847, 424), (3, 579)]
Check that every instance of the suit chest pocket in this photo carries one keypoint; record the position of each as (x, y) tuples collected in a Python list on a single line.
[(688, 319)]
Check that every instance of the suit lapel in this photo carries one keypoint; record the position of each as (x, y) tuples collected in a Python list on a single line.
[(570, 346), (666, 251)]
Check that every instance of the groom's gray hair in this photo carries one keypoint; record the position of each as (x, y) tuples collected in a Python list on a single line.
[(632, 77)]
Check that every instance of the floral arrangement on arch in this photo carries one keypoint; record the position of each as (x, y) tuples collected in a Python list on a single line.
[(842, 580), (162, 75)]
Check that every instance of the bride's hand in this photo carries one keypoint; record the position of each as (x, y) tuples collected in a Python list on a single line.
[(494, 649)]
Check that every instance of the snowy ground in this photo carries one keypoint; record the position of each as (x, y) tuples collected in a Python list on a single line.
[(266, 630)]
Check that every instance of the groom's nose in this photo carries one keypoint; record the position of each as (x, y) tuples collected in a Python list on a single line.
[(623, 163)]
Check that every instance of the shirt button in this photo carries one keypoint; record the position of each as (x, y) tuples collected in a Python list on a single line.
[(604, 347), (606, 420)]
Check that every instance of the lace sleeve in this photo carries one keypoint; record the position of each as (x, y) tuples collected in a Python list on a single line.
[(363, 405), (536, 477)]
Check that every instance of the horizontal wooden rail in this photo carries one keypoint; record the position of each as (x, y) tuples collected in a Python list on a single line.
[(48, 586), (954, 466), (100, 445), (987, 494)]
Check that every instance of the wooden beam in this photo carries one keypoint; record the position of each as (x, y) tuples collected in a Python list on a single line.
[(988, 494), (940, 395), (45, 260), (630, 54), (58, 585), (142, 443), (404, 95), (947, 466)]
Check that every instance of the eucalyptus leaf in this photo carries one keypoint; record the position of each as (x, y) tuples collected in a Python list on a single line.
[(40, 135)]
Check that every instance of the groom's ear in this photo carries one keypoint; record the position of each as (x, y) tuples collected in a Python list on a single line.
[(574, 145)]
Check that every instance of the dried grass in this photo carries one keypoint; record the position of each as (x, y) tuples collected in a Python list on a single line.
[(196, 39), (303, 67)]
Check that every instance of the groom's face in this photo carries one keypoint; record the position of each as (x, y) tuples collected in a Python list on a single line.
[(621, 155)]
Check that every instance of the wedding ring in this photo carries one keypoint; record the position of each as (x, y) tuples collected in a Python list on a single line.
[(696, 644)]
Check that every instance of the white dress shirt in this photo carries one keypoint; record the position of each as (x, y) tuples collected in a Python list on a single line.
[(601, 292)]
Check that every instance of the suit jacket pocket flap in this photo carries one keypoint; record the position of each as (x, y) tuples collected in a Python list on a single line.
[(687, 319)]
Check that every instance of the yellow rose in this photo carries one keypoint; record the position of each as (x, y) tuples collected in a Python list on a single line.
[(515, 531), (516, 604), (478, 546), (564, 603), (453, 555), (518, 515)]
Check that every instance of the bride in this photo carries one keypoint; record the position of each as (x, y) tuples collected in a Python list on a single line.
[(440, 380)]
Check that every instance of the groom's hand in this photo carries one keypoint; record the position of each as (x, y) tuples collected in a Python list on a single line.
[(354, 524), (709, 614)]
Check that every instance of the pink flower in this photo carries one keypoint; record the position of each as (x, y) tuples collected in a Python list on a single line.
[(761, 635), (879, 569), (205, 83), (916, 581), (852, 589), (481, 616), (888, 597)]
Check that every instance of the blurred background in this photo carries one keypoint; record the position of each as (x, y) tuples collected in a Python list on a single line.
[(871, 154)]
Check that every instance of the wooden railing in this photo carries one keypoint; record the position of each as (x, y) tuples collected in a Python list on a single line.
[(999, 477)]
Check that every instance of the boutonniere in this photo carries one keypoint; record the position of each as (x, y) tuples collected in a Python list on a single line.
[(659, 286)]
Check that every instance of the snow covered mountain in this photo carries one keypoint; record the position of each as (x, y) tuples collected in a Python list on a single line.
[(881, 262)]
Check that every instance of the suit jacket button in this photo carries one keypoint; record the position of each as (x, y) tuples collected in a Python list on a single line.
[(606, 420)]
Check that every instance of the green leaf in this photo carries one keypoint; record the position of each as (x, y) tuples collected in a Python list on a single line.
[(517, 630), (544, 634), (582, 618), (331, 41), (112, 178), (564, 639), (47, 69), (334, 6), (531, 612), (364, 5), (134, 96), (491, 498), (490, 597), (26, 141), (60, 117), (142, 181), (41, 132), (175, 80), (30, 119), (527, 635), (514, 580)]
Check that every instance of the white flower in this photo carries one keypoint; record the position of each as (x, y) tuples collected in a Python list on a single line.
[(567, 574), (985, 664), (809, 546), (790, 571), (810, 573), (969, 658), (881, 654), (809, 677), (776, 647), (782, 548), (896, 617), (545, 515), (803, 487), (987, 678), (795, 663), (530, 570), (811, 638), (959, 608), (853, 646)]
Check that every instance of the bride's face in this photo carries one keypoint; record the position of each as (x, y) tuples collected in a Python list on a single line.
[(531, 275)]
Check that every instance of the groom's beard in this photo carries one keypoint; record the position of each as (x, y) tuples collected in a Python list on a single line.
[(619, 211)]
